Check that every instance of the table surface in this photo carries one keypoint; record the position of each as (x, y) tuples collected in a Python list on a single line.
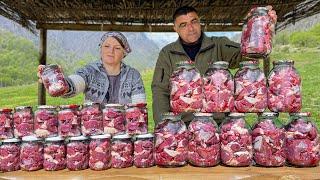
[(180, 173)]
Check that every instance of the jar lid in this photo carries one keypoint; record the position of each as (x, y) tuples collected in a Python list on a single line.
[(11, 140), (54, 139), (90, 104), (122, 136), (220, 64), (171, 116), (22, 107), (119, 106), (47, 107), (102, 136), (203, 114), (140, 105), (249, 64), (234, 115), (31, 138), (185, 64), (5, 110), (283, 62), (78, 138), (54, 66), (70, 106), (143, 136), (301, 114), (269, 114)]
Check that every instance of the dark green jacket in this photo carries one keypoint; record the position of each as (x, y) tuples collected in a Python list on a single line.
[(212, 49)]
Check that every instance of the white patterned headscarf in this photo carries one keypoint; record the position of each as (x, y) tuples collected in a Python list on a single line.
[(120, 38)]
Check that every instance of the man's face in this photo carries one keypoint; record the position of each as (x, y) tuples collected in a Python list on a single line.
[(188, 27)]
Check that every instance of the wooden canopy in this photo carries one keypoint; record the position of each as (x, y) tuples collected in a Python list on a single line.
[(144, 15)]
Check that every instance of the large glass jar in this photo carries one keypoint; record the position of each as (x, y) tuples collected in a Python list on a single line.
[(257, 32), (10, 155), (114, 119), (100, 152), (143, 151), (6, 123), (54, 154), (54, 80), (268, 136), (31, 153), (284, 92), (185, 89), (122, 151), (77, 153), (236, 141), (46, 121), (251, 88), (218, 88), (137, 119), (171, 146), (91, 119), (302, 141), (204, 142), (23, 121), (69, 121)]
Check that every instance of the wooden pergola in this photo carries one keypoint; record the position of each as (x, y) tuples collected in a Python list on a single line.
[(141, 16)]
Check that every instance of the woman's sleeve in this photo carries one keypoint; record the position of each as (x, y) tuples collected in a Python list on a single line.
[(77, 82), (138, 91)]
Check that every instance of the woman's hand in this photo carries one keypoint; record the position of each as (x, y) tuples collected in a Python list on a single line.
[(40, 70)]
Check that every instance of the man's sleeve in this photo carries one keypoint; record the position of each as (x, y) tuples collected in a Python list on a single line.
[(160, 87), (230, 52)]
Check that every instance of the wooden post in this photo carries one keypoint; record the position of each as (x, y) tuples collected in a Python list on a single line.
[(266, 66), (43, 61)]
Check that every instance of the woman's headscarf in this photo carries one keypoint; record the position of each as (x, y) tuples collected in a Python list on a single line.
[(119, 37)]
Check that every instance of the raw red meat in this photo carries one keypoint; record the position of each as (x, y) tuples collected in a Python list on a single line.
[(31, 154), (143, 151), (69, 121), (284, 92), (218, 89), (23, 121), (46, 122), (114, 119), (54, 154), (77, 153), (137, 119), (6, 123), (100, 152), (91, 119), (122, 151), (204, 142), (10, 155)]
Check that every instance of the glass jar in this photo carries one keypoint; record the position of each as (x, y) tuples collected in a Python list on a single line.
[(46, 121), (257, 32), (236, 141), (204, 142), (251, 88), (171, 146), (218, 88), (114, 119), (100, 152), (77, 153), (143, 151), (122, 151), (284, 92), (54, 80), (91, 119), (137, 119), (31, 154), (302, 141), (23, 121), (6, 123), (10, 155), (69, 121), (185, 89), (54, 154), (268, 136)]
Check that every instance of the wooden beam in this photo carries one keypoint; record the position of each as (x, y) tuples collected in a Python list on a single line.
[(129, 28), (42, 61)]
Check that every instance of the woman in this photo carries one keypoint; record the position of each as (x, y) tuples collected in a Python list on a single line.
[(109, 80)]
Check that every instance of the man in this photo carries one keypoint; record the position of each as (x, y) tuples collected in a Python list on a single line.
[(192, 45)]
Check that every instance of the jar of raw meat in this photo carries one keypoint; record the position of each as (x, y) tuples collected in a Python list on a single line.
[(171, 146), (114, 119), (185, 89), (91, 119), (137, 119), (257, 32), (77, 153), (31, 153), (10, 155), (284, 92), (46, 121), (204, 142), (251, 88), (218, 88), (6, 123), (302, 141), (69, 121), (268, 137), (23, 121), (236, 141), (54, 154), (121, 151), (100, 152), (54, 80), (143, 151)]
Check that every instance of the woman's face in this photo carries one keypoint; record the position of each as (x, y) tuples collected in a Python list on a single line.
[(111, 51)]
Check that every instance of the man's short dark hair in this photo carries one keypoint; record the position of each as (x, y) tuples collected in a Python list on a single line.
[(184, 10)]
